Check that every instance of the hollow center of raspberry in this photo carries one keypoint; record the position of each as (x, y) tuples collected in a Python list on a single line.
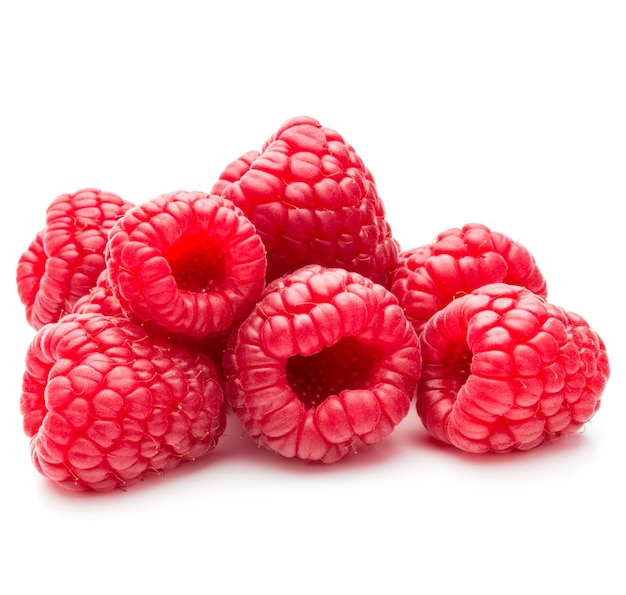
[(346, 365), (197, 264), (459, 370)]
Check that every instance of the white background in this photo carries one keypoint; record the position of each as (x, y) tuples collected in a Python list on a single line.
[(512, 114)]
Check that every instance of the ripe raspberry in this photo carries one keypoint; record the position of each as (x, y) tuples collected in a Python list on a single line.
[(457, 262), (312, 201), (189, 262), (325, 365), (503, 370), (105, 404), (64, 260)]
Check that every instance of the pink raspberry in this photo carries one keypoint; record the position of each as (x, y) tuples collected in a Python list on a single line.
[(64, 260), (313, 201), (106, 404), (189, 262), (325, 365), (457, 262), (505, 370)]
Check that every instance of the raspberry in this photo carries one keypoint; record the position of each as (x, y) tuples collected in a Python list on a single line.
[(325, 365), (64, 260), (313, 201), (457, 262), (189, 262), (105, 404), (505, 370)]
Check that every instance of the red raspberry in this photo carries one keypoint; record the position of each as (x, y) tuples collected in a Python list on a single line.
[(503, 370), (189, 262), (457, 262), (66, 257), (312, 201), (325, 365), (105, 404)]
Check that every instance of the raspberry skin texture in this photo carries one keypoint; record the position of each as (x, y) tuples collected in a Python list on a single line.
[(100, 300), (105, 404), (505, 370), (326, 365), (234, 171), (189, 262), (460, 260), (64, 260), (31, 268), (313, 201)]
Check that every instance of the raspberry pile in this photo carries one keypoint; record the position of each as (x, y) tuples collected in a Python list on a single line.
[(281, 301)]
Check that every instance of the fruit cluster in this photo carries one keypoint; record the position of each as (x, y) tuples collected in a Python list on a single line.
[(281, 301)]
